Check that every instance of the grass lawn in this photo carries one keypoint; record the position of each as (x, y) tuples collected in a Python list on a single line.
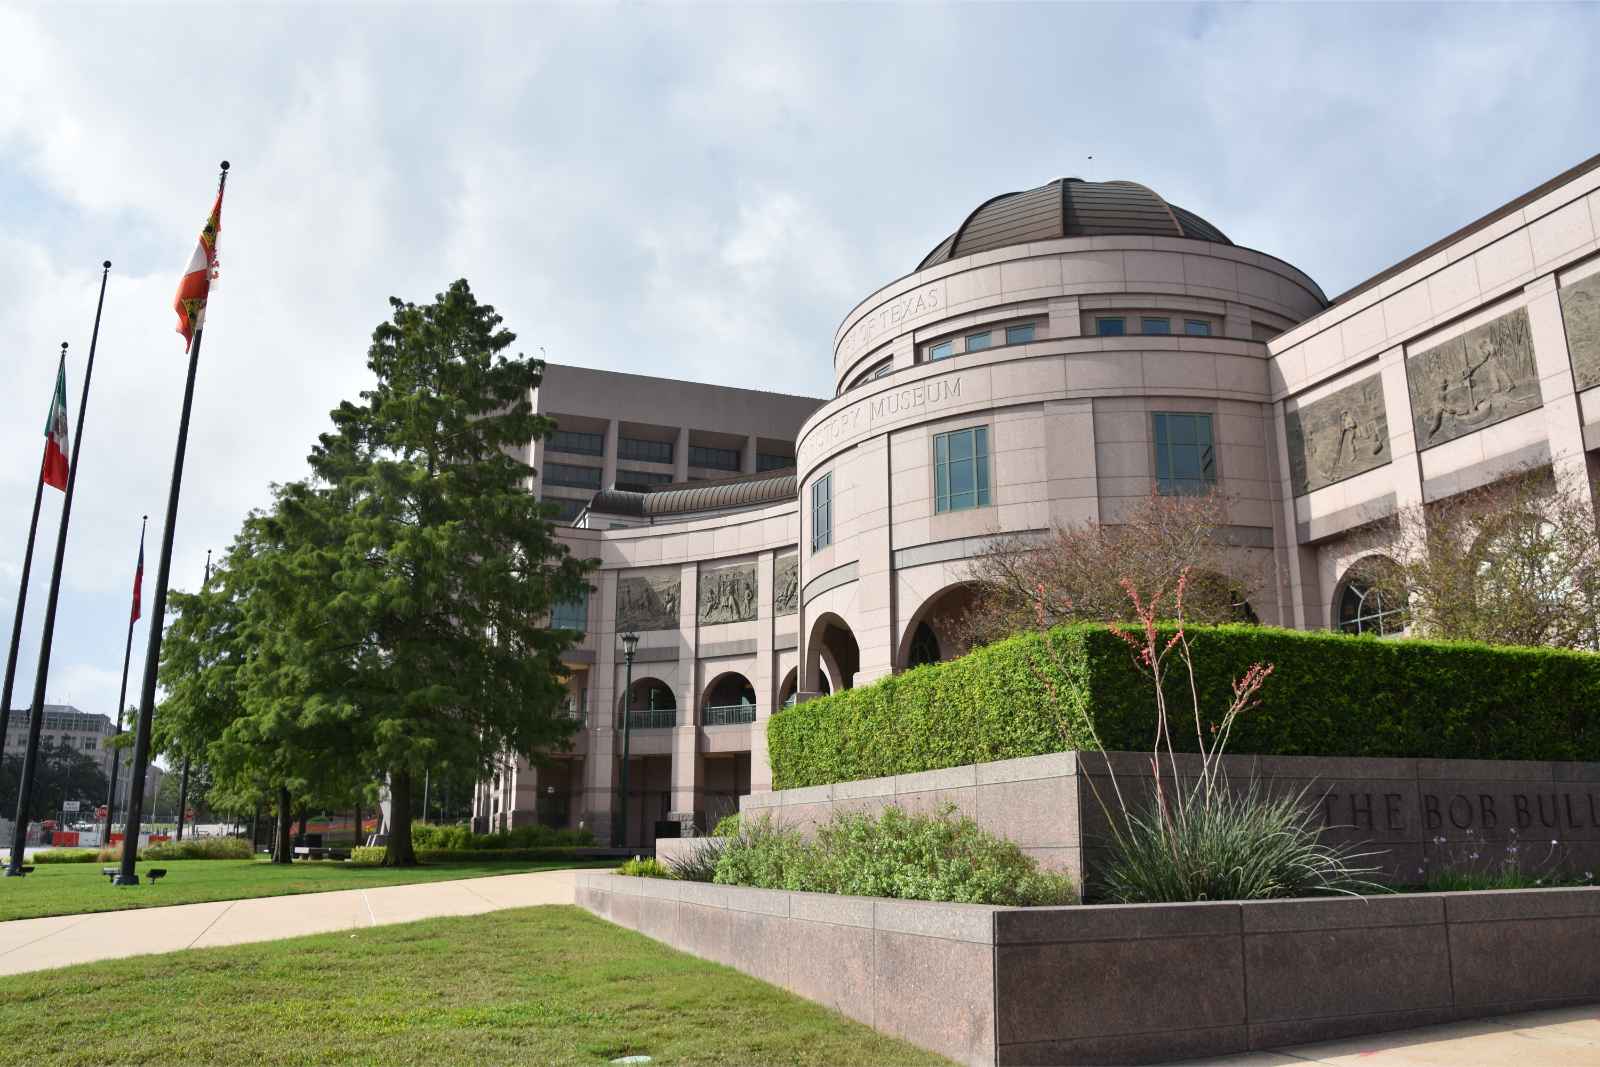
[(529, 985), (73, 888)]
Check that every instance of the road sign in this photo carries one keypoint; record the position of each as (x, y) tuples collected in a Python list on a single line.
[(69, 805)]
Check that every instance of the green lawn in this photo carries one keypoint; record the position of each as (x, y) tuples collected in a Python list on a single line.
[(73, 888), (530, 985)]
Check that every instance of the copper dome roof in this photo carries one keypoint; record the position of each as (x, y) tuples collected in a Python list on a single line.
[(1070, 207)]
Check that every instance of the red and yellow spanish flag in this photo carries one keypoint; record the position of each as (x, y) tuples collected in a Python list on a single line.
[(190, 303), (55, 435)]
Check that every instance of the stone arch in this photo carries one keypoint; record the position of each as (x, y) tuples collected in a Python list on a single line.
[(728, 698), (1368, 598), (649, 694), (832, 655), (931, 634), (790, 689)]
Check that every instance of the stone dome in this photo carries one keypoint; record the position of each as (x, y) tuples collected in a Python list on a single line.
[(1070, 207)]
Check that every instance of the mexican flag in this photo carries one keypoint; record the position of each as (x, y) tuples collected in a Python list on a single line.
[(55, 435), (195, 287)]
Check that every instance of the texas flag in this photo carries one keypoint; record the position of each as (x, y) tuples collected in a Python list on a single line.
[(190, 303), (55, 434), (138, 579)]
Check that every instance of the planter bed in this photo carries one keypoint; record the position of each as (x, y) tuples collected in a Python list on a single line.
[(1132, 983)]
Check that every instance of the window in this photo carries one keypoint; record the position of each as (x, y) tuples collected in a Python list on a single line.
[(822, 512), (575, 442), (1370, 601), (1110, 327), (942, 350), (570, 474), (566, 510), (646, 451), (882, 369), (1156, 326), (571, 615), (643, 478), (1197, 327), (1185, 461), (977, 342), (722, 459), (1019, 335), (961, 469), (771, 461)]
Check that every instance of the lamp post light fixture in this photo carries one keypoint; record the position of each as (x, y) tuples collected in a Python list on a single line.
[(630, 645)]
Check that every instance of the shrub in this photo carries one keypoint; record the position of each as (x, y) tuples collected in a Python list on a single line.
[(700, 863), (641, 867), (372, 856), (1454, 866), (200, 848), (367, 855), (459, 838), (65, 855), (727, 826), (893, 854), (1334, 695)]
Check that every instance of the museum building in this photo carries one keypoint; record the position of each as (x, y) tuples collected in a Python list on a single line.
[(1061, 353)]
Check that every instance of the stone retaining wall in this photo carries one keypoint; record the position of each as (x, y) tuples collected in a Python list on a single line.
[(1132, 983)]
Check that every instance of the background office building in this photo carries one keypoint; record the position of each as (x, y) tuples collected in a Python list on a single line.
[(1060, 353)]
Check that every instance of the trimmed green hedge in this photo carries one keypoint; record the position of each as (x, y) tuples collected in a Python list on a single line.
[(1330, 695)]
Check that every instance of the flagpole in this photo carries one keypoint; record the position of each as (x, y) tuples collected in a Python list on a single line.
[(158, 614), (30, 762), (122, 702), (22, 592), (183, 784)]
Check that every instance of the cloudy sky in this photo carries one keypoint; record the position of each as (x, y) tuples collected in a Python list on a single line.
[(695, 192)]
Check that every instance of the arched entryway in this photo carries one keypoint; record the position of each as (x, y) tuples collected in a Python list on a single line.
[(650, 704), (790, 689), (729, 699), (832, 655), (934, 634)]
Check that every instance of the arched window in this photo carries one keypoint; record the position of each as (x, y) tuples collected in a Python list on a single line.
[(1370, 600)]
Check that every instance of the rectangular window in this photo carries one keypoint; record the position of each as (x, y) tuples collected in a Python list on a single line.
[(1185, 461), (1156, 326), (719, 459), (576, 442), (977, 342), (1019, 335), (942, 350), (566, 510), (645, 451), (1110, 327), (572, 475), (1197, 327), (643, 478), (822, 512), (571, 615), (769, 461), (961, 469)]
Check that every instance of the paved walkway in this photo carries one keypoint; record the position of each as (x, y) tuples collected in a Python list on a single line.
[(1563, 1037), (62, 940)]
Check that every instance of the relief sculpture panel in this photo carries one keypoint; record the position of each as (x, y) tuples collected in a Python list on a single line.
[(648, 601), (1580, 310), (786, 584), (728, 594), (1483, 377), (1337, 437)]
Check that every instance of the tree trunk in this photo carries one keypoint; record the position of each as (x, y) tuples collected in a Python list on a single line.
[(358, 842), (398, 852), (303, 817), (282, 845)]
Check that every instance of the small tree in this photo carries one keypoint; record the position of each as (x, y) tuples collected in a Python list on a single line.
[(1075, 572), (1516, 562)]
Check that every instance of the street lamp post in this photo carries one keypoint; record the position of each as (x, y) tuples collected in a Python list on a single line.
[(630, 644)]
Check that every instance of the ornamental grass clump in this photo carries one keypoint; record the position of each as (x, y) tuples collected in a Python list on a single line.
[(1196, 837)]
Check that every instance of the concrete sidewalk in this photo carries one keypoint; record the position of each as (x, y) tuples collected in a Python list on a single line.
[(1559, 1037), (62, 940)]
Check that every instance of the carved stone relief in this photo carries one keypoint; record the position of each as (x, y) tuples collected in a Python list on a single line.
[(648, 601), (1480, 378), (1580, 310), (786, 584), (728, 594), (1337, 437)]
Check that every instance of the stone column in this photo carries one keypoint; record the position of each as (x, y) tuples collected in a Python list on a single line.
[(680, 458), (748, 462), (767, 679), (874, 625), (1299, 564), (1562, 417), (600, 767), (686, 735), (608, 476)]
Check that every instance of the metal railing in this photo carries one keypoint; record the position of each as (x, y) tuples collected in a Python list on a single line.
[(654, 719), (727, 714)]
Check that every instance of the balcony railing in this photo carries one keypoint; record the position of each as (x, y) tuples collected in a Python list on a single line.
[(654, 719), (727, 714)]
